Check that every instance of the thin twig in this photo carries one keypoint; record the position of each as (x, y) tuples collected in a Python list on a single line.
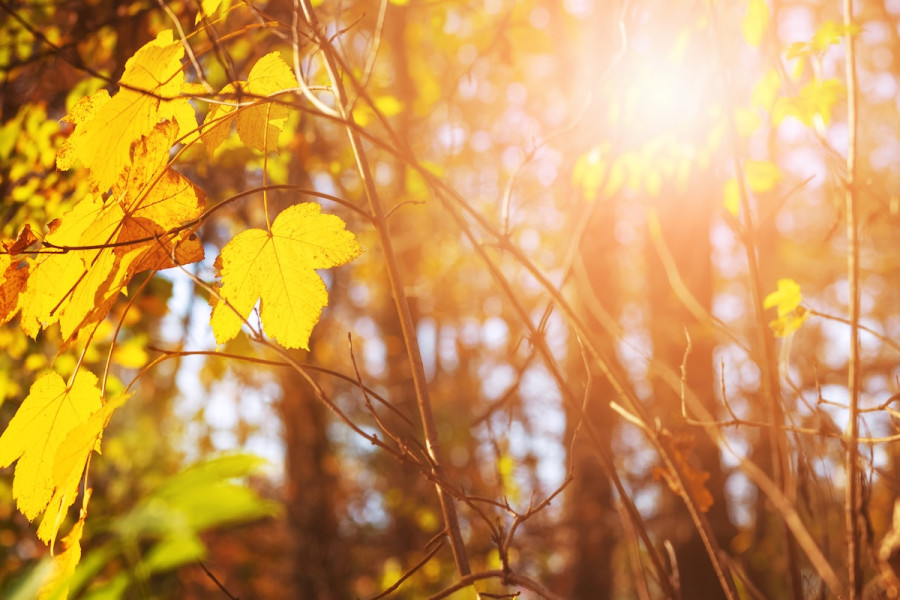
[(411, 571), (851, 500), (397, 290), (216, 581), (764, 344)]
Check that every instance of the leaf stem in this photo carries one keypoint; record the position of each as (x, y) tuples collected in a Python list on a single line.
[(266, 170)]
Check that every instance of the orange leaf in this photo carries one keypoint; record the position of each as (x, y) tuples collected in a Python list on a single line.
[(13, 277), (679, 447), (25, 239)]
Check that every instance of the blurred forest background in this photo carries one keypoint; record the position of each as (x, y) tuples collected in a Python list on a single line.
[(590, 203)]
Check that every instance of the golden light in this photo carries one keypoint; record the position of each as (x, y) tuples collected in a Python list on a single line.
[(666, 86), (660, 107)]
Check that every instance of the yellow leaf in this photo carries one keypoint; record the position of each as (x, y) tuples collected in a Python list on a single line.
[(55, 275), (131, 355), (125, 235), (37, 431), (57, 585), (68, 467), (762, 175), (590, 173), (219, 118), (747, 121), (815, 100), (755, 22), (277, 268), (831, 32), (106, 127), (766, 90), (787, 297), (731, 197), (787, 324), (208, 8), (258, 124)]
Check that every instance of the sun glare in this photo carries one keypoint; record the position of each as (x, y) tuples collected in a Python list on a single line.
[(661, 108), (666, 86)]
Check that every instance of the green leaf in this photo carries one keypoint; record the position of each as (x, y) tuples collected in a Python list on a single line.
[(174, 551)]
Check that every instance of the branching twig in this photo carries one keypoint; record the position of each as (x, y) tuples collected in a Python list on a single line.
[(397, 290)]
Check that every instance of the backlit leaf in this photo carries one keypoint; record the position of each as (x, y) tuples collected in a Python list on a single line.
[(13, 278), (68, 467), (208, 8), (258, 124), (816, 99), (762, 175), (64, 563), (831, 32), (731, 197), (277, 268), (766, 90), (787, 299), (755, 22), (105, 126), (25, 239), (116, 239), (38, 429)]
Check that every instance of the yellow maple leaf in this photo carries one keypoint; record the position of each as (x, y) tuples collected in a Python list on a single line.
[(56, 587), (154, 200), (105, 127), (260, 123), (37, 431), (277, 268), (68, 467), (117, 238), (55, 276)]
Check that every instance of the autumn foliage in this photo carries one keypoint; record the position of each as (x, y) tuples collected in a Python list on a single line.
[(588, 300)]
